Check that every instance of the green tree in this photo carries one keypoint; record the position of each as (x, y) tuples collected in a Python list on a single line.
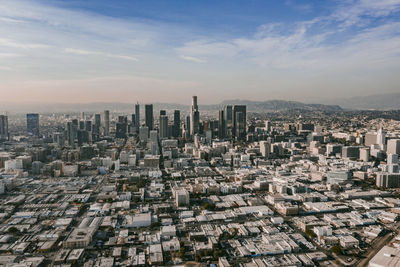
[(337, 250)]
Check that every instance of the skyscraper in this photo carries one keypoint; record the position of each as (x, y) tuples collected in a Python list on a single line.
[(221, 125), (106, 123), (72, 132), (239, 122), (163, 126), (4, 135), (32, 123), (228, 115), (194, 117), (228, 120), (177, 123), (121, 127), (149, 120), (137, 116)]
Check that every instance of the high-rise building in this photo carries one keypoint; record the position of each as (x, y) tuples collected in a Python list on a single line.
[(143, 133), (106, 123), (137, 116), (393, 146), (32, 123), (4, 135), (239, 122), (72, 132), (149, 120), (265, 148), (121, 127), (268, 126), (381, 138), (228, 116), (221, 125), (96, 126), (163, 126), (194, 117), (177, 123)]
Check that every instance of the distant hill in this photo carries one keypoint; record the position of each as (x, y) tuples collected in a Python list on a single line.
[(253, 106), (271, 105), (378, 102)]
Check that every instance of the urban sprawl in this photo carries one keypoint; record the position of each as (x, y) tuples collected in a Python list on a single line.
[(224, 188)]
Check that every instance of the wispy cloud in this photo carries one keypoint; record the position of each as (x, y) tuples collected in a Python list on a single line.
[(194, 59), (6, 55), (15, 44), (311, 46), (91, 52)]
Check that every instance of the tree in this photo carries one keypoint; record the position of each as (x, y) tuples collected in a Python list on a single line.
[(13, 230), (337, 250), (310, 233), (181, 252)]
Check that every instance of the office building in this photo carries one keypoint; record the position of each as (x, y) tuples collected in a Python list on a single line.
[(194, 117), (137, 116), (228, 116), (106, 123), (239, 122), (221, 125), (177, 123), (149, 119), (267, 126), (338, 177), (143, 133), (388, 180), (32, 124), (393, 146), (265, 148), (163, 126), (121, 129), (4, 135)]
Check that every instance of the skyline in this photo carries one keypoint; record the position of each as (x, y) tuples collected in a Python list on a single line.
[(80, 52)]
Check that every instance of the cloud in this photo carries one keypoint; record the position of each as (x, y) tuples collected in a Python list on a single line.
[(6, 55), (311, 45), (10, 20), (14, 44), (194, 59), (88, 53), (356, 12)]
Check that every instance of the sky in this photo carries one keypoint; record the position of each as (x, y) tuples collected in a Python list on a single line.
[(80, 51)]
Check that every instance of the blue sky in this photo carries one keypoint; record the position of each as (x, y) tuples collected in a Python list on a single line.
[(166, 51)]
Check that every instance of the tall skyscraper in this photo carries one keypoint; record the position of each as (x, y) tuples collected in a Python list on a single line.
[(121, 127), (163, 126), (194, 117), (106, 123), (97, 119), (239, 122), (228, 120), (4, 135), (221, 125), (228, 115), (149, 116), (137, 115), (32, 123), (72, 132), (177, 123)]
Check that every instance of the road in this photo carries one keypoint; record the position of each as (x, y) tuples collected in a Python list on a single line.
[(376, 247)]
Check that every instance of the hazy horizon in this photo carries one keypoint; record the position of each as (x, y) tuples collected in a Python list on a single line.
[(152, 51)]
